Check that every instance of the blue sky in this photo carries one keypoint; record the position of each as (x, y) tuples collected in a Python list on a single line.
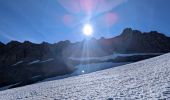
[(56, 20)]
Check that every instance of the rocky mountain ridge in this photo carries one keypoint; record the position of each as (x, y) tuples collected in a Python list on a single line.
[(21, 62)]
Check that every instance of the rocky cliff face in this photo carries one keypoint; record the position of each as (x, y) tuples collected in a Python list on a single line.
[(134, 41), (1, 44), (129, 41), (21, 62)]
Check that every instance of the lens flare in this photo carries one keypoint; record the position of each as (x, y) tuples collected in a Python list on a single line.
[(82, 71), (68, 20)]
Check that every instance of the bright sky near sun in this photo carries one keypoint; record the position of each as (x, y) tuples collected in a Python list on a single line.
[(87, 30), (56, 20)]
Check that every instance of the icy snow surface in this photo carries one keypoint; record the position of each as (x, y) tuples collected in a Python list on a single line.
[(33, 62), (113, 56), (146, 80)]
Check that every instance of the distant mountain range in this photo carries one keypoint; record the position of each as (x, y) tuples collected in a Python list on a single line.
[(28, 62)]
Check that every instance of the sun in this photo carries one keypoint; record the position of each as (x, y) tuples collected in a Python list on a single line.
[(87, 30)]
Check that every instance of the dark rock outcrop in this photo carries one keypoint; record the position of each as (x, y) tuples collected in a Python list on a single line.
[(138, 42), (130, 41), (1, 45), (22, 62)]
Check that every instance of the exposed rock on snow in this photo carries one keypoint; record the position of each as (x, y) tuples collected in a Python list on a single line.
[(147, 79)]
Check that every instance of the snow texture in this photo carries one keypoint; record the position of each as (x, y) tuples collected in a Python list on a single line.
[(7, 87), (145, 80), (87, 68)]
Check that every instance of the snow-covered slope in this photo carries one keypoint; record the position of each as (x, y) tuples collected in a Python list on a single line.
[(148, 79)]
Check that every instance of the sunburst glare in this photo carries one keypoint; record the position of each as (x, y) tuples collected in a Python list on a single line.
[(88, 30)]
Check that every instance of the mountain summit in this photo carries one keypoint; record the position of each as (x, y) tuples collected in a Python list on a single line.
[(129, 41), (20, 62)]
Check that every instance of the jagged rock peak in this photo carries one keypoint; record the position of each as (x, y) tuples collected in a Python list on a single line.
[(13, 43), (27, 42), (65, 42), (156, 33), (128, 32)]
